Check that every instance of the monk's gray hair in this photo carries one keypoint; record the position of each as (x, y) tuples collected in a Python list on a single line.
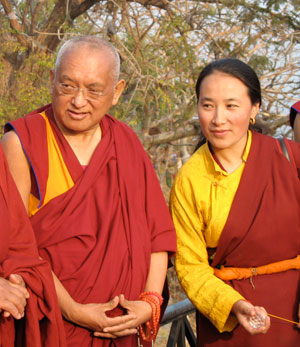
[(92, 42)]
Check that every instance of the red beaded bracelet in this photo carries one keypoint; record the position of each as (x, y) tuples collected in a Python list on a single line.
[(157, 295), (155, 300)]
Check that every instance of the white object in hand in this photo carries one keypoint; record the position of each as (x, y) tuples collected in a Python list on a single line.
[(257, 321)]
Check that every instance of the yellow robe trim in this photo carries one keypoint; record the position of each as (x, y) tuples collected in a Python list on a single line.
[(59, 179), (200, 203)]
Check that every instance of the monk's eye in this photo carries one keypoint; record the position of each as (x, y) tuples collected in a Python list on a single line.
[(66, 88), (94, 92)]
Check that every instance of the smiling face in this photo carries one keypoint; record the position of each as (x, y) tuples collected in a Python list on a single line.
[(87, 68), (224, 110)]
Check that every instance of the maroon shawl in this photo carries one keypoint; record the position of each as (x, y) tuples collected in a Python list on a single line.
[(263, 227), (42, 324), (99, 236)]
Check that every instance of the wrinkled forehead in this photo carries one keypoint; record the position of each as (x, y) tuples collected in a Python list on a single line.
[(83, 51), (88, 57)]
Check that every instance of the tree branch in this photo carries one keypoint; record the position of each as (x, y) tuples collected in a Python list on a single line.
[(13, 21), (163, 4), (78, 10), (35, 15), (180, 133), (59, 16)]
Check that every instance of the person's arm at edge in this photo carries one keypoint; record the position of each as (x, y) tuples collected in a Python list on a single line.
[(18, 165)]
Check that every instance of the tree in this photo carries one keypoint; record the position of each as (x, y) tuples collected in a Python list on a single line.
[(163, 46)]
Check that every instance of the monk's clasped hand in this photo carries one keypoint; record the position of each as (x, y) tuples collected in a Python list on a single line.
[(13, 296), (139, 311), (93, 317)]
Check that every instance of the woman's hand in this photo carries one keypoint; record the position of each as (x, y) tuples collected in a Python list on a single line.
[(253, 319), (140, 310)]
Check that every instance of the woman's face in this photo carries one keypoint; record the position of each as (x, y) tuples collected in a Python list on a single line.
[(224, 111)]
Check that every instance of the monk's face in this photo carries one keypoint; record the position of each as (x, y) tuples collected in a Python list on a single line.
[(83, 89), (224, 111)]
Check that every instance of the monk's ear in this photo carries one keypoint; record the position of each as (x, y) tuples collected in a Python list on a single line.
[(118, 91), (52, 76)]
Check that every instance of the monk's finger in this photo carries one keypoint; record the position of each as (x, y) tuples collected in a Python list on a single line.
[(105, 335), (18, 282), (123, 322), (122, 332), (123, 301), (119, 327), (126, 332), (16, 279), (11, 309), (110, 305), (12, 299)]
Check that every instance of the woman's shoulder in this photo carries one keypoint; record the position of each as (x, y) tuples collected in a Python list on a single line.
[(192, 170), (194, 163)]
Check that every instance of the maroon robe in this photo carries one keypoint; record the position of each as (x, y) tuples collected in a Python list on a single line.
[(99, 235), (42, 324), (263, 227)]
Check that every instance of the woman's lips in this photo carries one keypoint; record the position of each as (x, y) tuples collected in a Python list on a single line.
[(220, 132)]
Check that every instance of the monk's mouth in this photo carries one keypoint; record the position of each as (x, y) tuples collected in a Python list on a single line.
[(77, 115)]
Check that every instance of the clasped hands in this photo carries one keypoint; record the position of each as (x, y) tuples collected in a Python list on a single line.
[(13, 296), (93, 316)]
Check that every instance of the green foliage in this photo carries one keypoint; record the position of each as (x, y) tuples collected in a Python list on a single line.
[(169, 180), (29, 87), (259, 63), (162, 54), (162, 51)]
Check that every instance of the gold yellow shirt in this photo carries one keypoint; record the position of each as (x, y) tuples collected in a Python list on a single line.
[(200, 202)]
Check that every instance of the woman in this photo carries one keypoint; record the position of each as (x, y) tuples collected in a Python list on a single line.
[(235, 203), (295, 120)]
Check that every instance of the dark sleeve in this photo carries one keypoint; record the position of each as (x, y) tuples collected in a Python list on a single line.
[(295, 108), (294, 151)]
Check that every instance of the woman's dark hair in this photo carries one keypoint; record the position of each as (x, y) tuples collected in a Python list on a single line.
[(235, 68)]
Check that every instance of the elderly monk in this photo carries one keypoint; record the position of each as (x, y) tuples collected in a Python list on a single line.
[(26, 285), (94, 201)]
